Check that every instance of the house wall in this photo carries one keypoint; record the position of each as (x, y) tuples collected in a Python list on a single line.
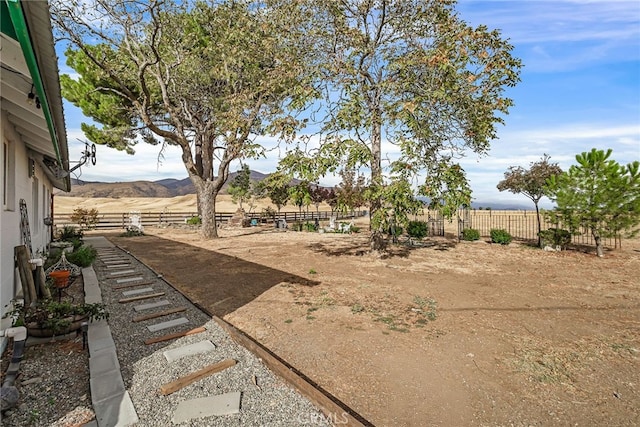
[(36, 191)]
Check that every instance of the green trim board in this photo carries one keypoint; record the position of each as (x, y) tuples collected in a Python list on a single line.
[(6, 26), (23, 36)]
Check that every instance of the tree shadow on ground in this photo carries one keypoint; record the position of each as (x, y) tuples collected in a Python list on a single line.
[(360, 245), (217, 282)]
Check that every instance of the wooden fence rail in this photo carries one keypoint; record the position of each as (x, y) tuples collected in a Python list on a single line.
[(113, 221)]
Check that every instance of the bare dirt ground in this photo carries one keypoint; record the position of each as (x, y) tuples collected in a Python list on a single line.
[(447, 334)]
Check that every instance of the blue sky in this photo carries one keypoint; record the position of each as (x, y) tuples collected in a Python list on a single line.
[(580, 89)]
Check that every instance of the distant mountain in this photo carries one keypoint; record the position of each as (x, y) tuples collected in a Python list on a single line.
[(178, 187), (118, 189), (501, 206), (162, 188)]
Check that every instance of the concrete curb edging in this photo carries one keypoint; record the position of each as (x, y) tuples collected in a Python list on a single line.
[(111, 401)]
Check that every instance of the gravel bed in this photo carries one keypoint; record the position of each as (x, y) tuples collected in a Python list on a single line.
[(54, 379), (266, 400)]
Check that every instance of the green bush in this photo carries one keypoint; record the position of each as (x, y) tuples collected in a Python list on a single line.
[(52, 258), (132, 232), (69, 233), (417, 229), (501, 236), (83, 256), (77, 242), (470, 234), (194, 220), (555, 237)]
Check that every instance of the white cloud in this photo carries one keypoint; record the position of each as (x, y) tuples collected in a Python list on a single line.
[(562, 35)]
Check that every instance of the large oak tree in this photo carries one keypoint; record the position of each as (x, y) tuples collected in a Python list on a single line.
[(205, 76), (410, 73)]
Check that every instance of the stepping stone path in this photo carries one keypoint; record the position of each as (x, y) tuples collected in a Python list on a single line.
[(127, 275), (159, 314)]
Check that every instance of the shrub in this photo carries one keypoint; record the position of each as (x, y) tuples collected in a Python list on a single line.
[(52, 258), (501, 236), (83, 256), (69, 232), (470, 234), (417, 229), (51, 314), (132, 232), (86, 218), (77, 242), (194, 220), (268, 213), (555, 237)]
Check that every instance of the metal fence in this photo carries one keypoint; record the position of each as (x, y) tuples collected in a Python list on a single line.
[(522, 225)]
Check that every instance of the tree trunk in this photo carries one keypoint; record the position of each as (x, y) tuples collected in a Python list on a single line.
[(598, 240), (206, 194), (378, 242), (538, 218)]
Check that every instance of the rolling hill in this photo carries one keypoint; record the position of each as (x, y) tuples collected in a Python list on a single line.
[(162, 188)]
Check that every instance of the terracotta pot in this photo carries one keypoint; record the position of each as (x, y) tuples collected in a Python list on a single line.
[(60, 278)]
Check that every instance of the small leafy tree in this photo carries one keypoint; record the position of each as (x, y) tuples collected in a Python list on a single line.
[(240, 187), (300, 195), (400, 202), (530, 182), (351, 190), (332, 199), (257, 192), (276, 187), (86, 218), (318, 195), (598, 194)]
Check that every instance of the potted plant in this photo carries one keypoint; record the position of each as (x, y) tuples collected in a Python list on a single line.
[(49, 318), (60, 278)]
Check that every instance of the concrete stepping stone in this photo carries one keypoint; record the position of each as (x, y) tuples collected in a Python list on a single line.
[(222, 404), (137, 291), (132, 285), (129, 279), (189, 350), (150, 305), (168, 324), (121, 273), (112, 258), (118, 264)]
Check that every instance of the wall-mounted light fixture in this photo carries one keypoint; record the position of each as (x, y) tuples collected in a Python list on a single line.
[(31, 98)]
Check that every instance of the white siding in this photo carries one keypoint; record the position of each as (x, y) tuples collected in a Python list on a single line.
[(36, 192)]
